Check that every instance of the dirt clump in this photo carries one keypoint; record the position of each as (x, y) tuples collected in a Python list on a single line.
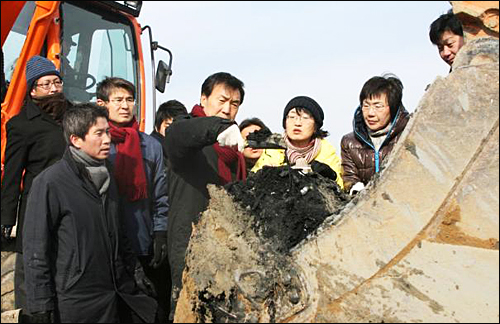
[(286, 203)]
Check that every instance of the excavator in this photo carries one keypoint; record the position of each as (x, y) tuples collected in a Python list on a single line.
[(419, 244)]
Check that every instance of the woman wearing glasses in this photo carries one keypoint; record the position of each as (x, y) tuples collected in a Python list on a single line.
[(378, 123), (306, 146), (34, 142)]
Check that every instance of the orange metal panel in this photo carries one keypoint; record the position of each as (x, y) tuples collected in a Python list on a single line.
[(10, 11)]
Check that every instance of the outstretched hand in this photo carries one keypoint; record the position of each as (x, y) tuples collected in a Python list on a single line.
[(231, 137)]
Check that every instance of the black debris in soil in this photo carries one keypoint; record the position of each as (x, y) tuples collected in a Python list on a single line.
[(287, 205), (260, 135)]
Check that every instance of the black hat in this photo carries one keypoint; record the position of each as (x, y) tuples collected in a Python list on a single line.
[(37, 67), (308, 104)]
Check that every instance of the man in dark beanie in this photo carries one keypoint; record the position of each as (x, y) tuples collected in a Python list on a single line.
[(378, 123), (34, 142)]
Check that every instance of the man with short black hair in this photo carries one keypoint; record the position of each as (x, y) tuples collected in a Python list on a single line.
[(202, 148), (164, 118), (139, 171), (447, 34), (79, 265)]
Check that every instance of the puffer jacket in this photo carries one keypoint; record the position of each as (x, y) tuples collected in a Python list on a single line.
[(327, 155), (360, 160)]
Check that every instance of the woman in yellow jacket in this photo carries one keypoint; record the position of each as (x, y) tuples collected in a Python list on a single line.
[(305, 141)]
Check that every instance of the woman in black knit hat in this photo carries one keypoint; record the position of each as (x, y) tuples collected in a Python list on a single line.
[(306, 146)]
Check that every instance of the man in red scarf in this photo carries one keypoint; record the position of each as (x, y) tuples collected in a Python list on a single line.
[(138, 168), (202, 148)]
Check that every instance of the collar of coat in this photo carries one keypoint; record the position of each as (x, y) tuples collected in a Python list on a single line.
[(33, 111), (361, 131)]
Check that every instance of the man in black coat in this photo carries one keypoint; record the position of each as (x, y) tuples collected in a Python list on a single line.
[(79, 264), (164, 118), (202, 148), (34, 141)]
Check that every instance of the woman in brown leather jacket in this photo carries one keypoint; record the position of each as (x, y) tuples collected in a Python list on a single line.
[(377, 125)]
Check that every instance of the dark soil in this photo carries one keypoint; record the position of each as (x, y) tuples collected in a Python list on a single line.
[(287, 205), (260, 135)]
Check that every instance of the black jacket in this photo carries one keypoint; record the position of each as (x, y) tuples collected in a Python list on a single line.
[(192, 164), (78, 262), (34, 142)]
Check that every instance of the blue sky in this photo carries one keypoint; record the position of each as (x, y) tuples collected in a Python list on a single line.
[(325, 50)]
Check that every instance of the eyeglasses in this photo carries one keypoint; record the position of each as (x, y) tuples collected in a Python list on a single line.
[(47, 85), (304, 118), (377, 107), (119, 101)]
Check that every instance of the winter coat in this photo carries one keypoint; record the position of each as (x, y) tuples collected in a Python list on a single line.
[(145, 216), (34, 142), (327, 155), (77, 259), (192, 164), (360, 160), (160, 138)]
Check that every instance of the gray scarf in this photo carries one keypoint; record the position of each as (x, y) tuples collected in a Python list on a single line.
[(378, 137), (98, 172)]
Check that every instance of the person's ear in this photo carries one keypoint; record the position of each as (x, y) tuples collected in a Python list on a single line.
[(75, 141), (203, 100), (101, 102)]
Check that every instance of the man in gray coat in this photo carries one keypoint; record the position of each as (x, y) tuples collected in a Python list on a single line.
[(79, 264)]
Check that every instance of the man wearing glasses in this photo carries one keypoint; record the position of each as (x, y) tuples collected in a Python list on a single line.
[(378, 123), (34, 142), (139, 171)]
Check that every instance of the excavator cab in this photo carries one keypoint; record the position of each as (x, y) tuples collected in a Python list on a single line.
[(86, 40), (93, 43)]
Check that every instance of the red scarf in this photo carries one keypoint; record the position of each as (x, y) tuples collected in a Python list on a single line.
[(129, 168), (227, 156)]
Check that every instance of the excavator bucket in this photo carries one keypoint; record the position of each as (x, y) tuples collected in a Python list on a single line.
[(420, 244)]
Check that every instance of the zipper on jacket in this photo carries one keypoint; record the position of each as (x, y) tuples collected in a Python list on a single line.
[(377, 153)]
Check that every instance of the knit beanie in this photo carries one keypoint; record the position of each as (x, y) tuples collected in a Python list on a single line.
[(308, 104), (38, 67)]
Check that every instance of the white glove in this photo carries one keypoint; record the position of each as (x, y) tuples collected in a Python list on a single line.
[(231, 137), (356, 188)]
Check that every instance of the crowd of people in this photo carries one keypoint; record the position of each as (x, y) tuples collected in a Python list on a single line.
[(104, 211)]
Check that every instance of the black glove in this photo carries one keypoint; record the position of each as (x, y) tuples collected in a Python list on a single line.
[(324, 170), (6, 232), (160, 248), (42, 317), (143, 282)]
